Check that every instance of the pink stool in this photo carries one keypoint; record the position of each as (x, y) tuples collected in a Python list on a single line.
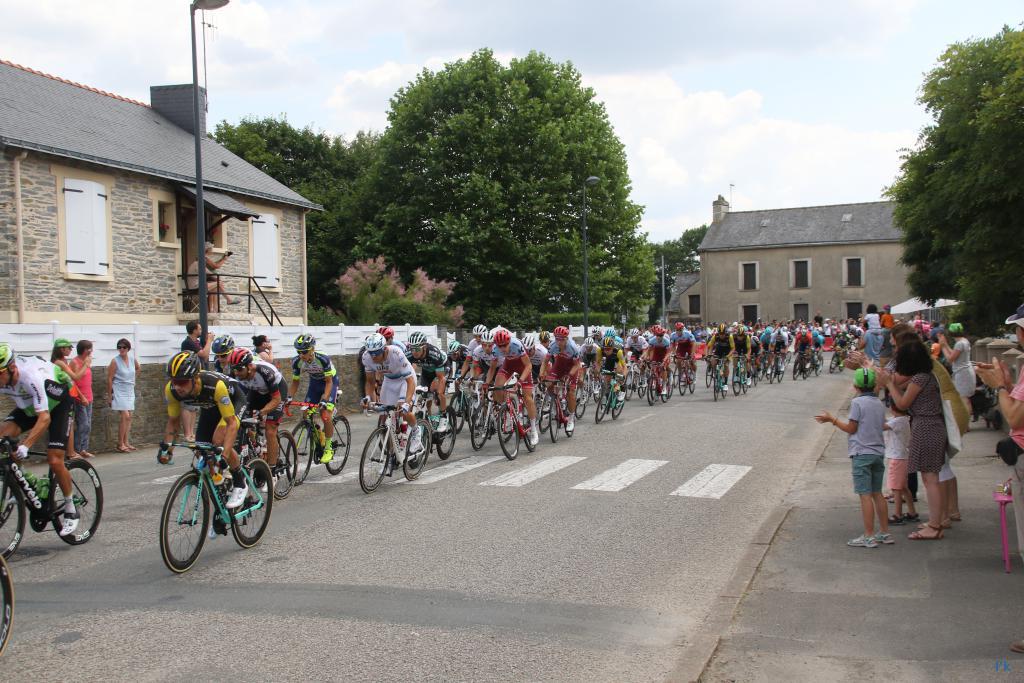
[(1003, 500)]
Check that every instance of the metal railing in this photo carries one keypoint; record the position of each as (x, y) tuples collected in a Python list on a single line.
[(258, 297)]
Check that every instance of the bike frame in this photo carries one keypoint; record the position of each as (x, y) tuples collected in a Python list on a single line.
[(208, 455)]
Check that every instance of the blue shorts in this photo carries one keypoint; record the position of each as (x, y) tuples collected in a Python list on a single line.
[(868, 471), (315, 392)]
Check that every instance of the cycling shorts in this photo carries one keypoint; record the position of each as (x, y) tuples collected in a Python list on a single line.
[(427, 377), (259, 401), (684, 349), (780, 346), (209, 418), (609, 363), (721, 351), (658, 353), (393, 391), (562, 368), (315, 392), (60, 423)]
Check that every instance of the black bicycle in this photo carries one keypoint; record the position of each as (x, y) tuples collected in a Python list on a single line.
[(6, 604), (40, 502)]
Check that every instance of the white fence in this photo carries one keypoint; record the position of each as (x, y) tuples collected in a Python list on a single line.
[(157, 343)]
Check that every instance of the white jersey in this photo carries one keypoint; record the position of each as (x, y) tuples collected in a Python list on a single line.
[(393, 364), (538, 355), (41, 385), (265, 380)]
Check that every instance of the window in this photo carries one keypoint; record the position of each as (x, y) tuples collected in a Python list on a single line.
[(853, 272), (800, 273), (749, 313), (265, 250), (854, 309), (847, 217), (165, 219), (85, 219), (695, 304), (801, 311), (749, 275)]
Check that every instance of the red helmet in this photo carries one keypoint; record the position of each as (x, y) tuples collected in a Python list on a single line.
[(658, 330), (561, 332), (240, 357), (679, 326), (502, 337), (386, 332)]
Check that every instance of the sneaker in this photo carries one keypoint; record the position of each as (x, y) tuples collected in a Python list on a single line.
[(571, 424), (533, 435), (664, 392), (862, 542), (621, 397), (70, 523), (415, 444), (236, 498), (328, 453), (887, 539), (442, 424)]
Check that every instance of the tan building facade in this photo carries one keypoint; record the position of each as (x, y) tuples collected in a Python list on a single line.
[(798, 263)]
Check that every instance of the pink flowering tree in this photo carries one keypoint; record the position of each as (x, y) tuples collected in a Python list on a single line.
[(371, 291)]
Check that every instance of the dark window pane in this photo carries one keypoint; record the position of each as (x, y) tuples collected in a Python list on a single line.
[(749, 315), (853, 273), (853, 309), (695, 304), (749, 276), (800, 274), (800, 311)]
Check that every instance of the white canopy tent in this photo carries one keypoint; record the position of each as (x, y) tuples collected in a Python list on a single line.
[(915, 305)]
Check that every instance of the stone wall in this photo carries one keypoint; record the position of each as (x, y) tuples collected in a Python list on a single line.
[(150, 417), (8, 259)]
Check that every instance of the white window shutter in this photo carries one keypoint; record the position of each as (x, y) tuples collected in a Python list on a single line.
[(265, 257), (85, 229)]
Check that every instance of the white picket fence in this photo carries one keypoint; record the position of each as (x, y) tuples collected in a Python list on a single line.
[(157, 343)]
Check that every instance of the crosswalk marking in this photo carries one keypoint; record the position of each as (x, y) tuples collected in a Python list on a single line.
[(621, 476), (714, 481), (339, 479), (638, 419), (533, 472), (458, 467)]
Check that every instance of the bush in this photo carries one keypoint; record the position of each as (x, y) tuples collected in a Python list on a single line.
[(550, 321), (513, 317), (372, 292), (323, 316), (406, 311)]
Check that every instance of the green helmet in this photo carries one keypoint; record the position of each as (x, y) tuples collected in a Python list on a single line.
[(956, 328), (6, 355), (417, 339), (454, 345), (864, 378), (61, 342), (304, 342)]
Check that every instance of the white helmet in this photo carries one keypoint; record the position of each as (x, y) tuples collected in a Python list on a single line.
[(375, 342), (487, 336), (530, 341), (479, 329), (635, 332), (417, 338)]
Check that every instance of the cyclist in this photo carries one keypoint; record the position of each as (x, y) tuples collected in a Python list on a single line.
[(483, 356), (323, 385), (563, 363), (635, 344), (588, 351), (457, 355), (721, 345), (537, 353), (756, 347), (220, 400), (656, 352), (804, 341), (512, 358), (611, 360), (682, 344), (43, 398), (741, 347), (818, 340), (221, 347), (399, 381), (478, 331), (432, 362), (266, 390)]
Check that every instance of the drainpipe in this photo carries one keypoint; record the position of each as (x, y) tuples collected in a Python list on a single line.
[(305, 303), (19, 244)]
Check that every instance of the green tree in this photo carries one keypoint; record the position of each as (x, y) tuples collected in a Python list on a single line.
[(480, 175), (680, 257), (324, 169), (959, 197)]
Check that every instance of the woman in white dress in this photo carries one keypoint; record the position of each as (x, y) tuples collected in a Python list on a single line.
[(121, 386)]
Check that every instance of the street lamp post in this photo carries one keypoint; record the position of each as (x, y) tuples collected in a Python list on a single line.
[(592, 180), (200, 205)]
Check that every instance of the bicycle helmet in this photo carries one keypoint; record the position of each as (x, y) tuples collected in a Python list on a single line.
[(375, 343), (222, 344), (304, 342), (721, 328), (385, 332), (659, 331), (530, 341), (679, 327), (240, 357), (610, 332), (454, 345), (479, 329), (184, 365), (561, 332), (6, 355), (596, 335), (487, 337), (635, 332), (609, 342), (417, 339), (502, 337)]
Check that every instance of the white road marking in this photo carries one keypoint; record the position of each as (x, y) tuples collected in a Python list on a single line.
[(638, 419), (714, 481), (170, 479), (338, 479), (458, 467), (534, 471), (621, 476)]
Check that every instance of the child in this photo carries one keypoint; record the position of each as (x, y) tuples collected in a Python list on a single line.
[(897, 445), (866, 448)]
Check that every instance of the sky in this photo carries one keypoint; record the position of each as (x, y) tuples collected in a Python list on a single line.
[(771, 104)]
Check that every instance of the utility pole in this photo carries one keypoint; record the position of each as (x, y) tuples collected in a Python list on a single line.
[(664, 320)]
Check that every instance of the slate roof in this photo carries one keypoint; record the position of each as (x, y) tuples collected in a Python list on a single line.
[(808, 225), (684, 281), (49, 114)]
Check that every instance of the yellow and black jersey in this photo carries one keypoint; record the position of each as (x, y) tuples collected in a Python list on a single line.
[(615, 354), (217, 390)]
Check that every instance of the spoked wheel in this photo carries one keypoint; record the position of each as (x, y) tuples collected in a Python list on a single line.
[(374, 461), (415, 460), (602, 405), (6, 604), (672, 380), (341, 439), (478, 427), (707, 376), (13, 516), (460, 412), (305, 450), (508, 435), (630, 385), (652, 391), (250, 528), (184, 522), (87, 494), (743, 382), (833, 364), (665, 389), (617, 408), (582, 396), (446, 440), (287, 466), (554, 424), (681, 377), (817, 367), (547, 404)]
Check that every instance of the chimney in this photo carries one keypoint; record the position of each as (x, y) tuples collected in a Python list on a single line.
[(174, 102), (719, 208)]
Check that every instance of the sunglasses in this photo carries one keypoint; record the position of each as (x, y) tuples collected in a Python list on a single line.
[(125, 348), (374, 354), (181, 383)]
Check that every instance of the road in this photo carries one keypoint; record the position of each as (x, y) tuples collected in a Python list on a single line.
[(575, 563)]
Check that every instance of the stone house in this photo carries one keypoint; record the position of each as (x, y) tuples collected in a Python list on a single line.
[(97, 207), (685, 302), (794, 263)]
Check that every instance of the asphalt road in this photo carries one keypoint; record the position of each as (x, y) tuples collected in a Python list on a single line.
[(581, 566)]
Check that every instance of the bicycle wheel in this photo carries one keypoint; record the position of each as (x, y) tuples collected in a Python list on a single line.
[(6, 604), (87, 494), (184, 522), (508, 433), (630, 385), (13, 515), (478, 427), (681, 380), (691, 381), (459, 411), (743, 381), (817, 366), (582, 396), (374, 460), (544, 413), (602, 406), (287, 466), (414, 461), (652, 391), (554, 421), (833, 364), (707, 375), (617, 408), (665, 389), (342, 442), (446, 442), (256, 509), (671, 382), (305, 450)]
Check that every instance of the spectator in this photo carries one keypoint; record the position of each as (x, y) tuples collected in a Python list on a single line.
[(121, 387), (922, 398), (83, 404), (818, 320), (59, 357), (262, 347), (897, 448), (873, 333), (192, 343), (213, 283), (959, 357), (866, 448), (886, 318)]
